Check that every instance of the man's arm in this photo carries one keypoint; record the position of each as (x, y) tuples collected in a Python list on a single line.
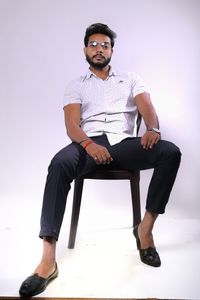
[(72, 121), (146, 109)]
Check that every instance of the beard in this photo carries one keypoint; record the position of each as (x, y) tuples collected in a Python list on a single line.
[(98, 65)]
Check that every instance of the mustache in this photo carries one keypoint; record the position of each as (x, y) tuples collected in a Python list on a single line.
[(98, 55)]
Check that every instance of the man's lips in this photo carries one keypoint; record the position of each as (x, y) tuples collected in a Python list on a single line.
[(98, 56)]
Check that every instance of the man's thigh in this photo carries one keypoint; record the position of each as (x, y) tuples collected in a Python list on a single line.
[(129, 154), (75, 159)]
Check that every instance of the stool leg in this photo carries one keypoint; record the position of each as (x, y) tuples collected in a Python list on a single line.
[(135, 195), (78, 188)]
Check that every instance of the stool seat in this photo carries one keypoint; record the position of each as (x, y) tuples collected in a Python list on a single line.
[(110, 174)]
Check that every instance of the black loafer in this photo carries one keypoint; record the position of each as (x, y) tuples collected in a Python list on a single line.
[(148, 256), (34, 285)]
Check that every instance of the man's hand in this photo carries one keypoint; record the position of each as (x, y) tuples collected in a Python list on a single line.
[(99, 153), (149, 139)]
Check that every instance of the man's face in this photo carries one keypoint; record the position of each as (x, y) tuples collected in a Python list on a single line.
[(98, 51)]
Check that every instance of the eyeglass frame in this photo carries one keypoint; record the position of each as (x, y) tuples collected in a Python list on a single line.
[(104, 45)]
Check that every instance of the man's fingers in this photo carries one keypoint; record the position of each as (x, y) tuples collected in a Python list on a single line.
[(149, 140), (102, 157)]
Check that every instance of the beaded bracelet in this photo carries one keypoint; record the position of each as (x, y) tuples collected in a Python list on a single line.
[(83, 141), (87, 144)]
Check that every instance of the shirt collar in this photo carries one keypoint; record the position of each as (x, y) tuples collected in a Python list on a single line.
[(89, 74)]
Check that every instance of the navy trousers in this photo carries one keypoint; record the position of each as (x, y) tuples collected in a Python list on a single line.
[(73, 161)]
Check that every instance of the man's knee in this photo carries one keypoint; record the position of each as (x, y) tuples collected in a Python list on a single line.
[(171, 152), (64, 161)]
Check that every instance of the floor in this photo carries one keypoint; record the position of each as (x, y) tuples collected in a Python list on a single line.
[(105, 262)]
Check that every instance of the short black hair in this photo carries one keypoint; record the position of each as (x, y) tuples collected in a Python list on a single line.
[(99, 28)]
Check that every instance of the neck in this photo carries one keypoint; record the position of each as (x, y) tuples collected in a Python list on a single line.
[(102, 73)]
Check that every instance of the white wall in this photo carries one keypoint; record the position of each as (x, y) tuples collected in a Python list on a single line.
[(41, 45)]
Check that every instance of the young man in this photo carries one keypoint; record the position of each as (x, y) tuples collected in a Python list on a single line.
[(100, 109)]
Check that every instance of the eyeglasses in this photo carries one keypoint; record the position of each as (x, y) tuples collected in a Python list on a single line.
[(104, 45)]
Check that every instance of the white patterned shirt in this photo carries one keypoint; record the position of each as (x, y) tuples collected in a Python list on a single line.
[(107, 106)]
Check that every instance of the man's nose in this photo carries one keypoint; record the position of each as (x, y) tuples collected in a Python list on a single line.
[(99, 48), (99, 52)]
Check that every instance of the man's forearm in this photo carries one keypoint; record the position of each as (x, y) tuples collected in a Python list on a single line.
[(146, 109), (76, 134), (151, 120)]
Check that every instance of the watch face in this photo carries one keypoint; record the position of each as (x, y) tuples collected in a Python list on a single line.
[(156, 130)]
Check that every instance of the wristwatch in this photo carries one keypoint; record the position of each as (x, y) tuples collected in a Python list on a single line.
[(155, 130)]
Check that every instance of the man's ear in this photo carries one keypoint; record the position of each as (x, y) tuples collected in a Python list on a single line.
[(84, 50)]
